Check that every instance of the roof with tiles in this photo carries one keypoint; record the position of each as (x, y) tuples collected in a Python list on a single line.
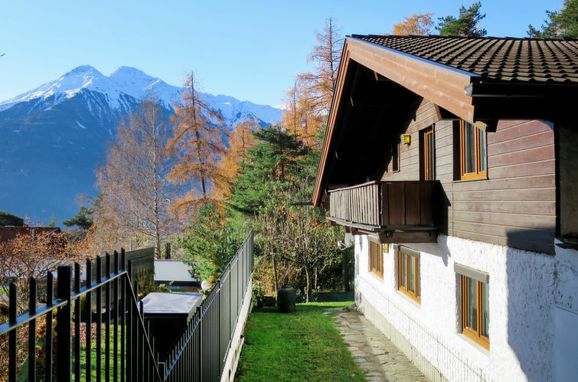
[(501, 59)]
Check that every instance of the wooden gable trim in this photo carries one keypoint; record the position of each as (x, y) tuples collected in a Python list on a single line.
[(440, 84), (343, 67)]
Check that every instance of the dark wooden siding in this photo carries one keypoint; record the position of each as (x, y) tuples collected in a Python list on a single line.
[(516, 205)]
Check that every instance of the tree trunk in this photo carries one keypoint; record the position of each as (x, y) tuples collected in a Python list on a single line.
[(274, 265), (344, 270), (308, 287)]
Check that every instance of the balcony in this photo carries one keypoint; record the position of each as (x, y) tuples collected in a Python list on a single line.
[(397, 211)]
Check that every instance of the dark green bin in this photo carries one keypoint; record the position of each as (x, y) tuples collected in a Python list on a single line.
[(286, 300)]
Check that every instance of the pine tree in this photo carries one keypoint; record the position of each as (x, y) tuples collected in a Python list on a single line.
[(83, 219), (417, 24), (560, 24), (466, 24), (272, 165), (197, 145), (7, 219)]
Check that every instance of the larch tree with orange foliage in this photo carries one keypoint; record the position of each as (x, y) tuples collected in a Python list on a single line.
[(196, 145), (240, 140), (420, 24), (310, 98)]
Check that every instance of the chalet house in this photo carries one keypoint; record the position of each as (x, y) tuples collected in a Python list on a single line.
[(454, 163)]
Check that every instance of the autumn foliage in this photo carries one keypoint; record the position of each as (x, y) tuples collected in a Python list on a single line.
[(196, 145), (420, 24)]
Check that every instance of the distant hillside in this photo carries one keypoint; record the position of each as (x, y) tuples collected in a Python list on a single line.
[(53, 137)]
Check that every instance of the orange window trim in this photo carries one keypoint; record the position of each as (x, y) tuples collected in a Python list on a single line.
[(478, 173), (376, 259), (427, 153), (404, 288), (474, 335)]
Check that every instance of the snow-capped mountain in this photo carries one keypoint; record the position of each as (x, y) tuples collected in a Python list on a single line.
[(125, 86), (53, 137)]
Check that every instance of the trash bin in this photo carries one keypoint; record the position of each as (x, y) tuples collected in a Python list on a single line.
[(286, 300), (168, 315)]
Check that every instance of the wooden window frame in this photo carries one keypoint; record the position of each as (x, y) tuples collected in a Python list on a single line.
[(478, 173), (404, 254), (474, 335), (425, 154), (395, 157), (376, 258)]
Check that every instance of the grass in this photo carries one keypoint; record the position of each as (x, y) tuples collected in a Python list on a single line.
[(302, 346)]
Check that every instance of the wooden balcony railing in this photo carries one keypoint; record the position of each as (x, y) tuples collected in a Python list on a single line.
[(386, 206)]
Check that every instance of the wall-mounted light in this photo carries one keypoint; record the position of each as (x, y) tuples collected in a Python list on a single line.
[(407, 139)]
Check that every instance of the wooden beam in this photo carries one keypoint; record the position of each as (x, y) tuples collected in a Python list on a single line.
[(440, 84)]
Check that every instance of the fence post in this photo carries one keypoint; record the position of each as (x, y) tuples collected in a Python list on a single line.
[(64, 323)]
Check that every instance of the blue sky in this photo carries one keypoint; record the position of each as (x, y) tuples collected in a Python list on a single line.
[(248, 49)]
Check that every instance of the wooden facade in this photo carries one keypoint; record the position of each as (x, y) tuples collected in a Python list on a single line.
[(517, 189), (515, 205)]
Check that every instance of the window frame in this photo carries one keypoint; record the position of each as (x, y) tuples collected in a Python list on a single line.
[(376, 258), (395, 157), (427, 154), (478, 173), (473, 334), (403, 273)]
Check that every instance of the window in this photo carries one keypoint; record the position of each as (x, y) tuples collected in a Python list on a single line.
[(475, 312), (427, 154), (473, 152), (395, 158), (376, 252), (408, 277)]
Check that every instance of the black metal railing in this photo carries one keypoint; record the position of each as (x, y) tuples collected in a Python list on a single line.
[(201, 352), (102, 306)]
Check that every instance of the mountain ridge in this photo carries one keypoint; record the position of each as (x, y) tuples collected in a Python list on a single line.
[(53, 137)]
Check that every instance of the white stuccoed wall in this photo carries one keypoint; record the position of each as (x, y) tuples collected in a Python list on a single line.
[(524, 288)]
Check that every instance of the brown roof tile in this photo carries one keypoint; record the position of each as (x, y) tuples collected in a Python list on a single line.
[(502, 59)]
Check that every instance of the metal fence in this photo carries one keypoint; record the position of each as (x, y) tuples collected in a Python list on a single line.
[(201, 352), (94, 328)]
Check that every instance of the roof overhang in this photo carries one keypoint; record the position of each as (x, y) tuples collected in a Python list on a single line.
[(458, 94), (440, 84)]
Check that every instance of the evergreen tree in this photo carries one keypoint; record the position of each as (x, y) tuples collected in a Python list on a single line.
[(272, 165), (211, 242), (560, 24), (7, 219), (83, 219), (466, 24)]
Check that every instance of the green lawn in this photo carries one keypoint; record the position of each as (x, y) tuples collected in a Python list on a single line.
[(303, 346)]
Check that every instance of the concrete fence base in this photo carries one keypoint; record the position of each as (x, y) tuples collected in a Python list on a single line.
[(234, 353)]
